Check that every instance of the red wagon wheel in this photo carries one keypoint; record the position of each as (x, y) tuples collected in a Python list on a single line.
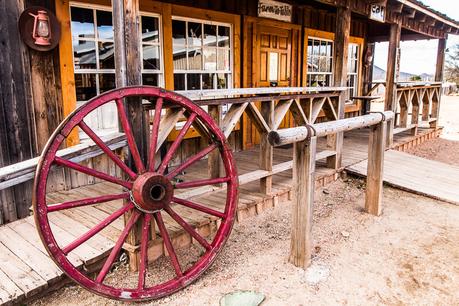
[(150, 194)]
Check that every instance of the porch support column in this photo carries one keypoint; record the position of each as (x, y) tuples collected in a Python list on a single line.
[(391, 85), (436, 99), (343, 28), (126, 17)]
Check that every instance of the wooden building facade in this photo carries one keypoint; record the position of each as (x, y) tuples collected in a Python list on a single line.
[(195, 46)]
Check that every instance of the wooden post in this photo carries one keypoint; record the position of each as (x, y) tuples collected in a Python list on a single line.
[(126, 17), (369, 60), (436, 100), (266, 150), (376, 148), (304, 161), (343, 28), (214, 161), (391, 86)]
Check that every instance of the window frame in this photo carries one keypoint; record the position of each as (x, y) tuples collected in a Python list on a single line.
[(332, 57), (356, 74), (230, 73), (96, 40)]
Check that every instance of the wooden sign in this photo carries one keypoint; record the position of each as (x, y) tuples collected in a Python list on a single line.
[(275, 10), (378, 12)]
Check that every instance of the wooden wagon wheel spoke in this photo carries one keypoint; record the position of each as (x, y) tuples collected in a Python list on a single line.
[(147, 194), (117, 248), (107, 150), (96, 229), (87, 201), (83, 169), (168, 243), (200, 183), (129, 136), (175, 145), (188, 228), (144, 251), (190, 161), (154, 134), (199, 207)]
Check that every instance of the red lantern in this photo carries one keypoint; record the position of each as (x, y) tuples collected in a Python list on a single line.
[(41, 28)]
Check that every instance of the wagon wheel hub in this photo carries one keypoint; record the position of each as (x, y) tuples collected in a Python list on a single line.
[(151, 192)]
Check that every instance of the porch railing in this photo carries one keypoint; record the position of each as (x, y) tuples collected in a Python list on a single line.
[(417, 104), (265, 108)]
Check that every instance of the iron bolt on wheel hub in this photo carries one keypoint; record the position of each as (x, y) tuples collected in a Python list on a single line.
[(151, 192)]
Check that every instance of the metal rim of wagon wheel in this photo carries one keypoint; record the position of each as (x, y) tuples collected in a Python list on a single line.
[(142, 201)]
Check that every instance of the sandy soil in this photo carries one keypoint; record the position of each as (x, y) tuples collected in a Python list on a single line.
[(408, 256), (445, 148)]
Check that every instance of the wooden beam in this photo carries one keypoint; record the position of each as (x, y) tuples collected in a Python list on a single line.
[(343, 29), (214, 161), (67, 72), (304, 162), (392, 59), (376, 148), (439, 72), (266, 150)]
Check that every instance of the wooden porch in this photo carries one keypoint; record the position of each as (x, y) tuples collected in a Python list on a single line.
[(26, 270)]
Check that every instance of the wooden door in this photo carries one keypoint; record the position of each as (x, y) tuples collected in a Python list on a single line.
[(273, 49), (271, 58)]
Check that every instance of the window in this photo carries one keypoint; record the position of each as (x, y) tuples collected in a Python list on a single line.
[(353, 70), (202, 54), (94, 62), (320, 62)]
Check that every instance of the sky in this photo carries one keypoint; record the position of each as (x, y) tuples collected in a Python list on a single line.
[(420, 56)]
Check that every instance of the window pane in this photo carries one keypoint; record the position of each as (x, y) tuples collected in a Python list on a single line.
[(207, 81), (194, 34), (104, 25), (82, 23), (329, 49), (193, 81), (84, 54), (106, 82), (178, 32), (210, 59), (309, 46), (179, 57), (85, 85), (210, 35), (315, 49), (323, 48), (150, 79), (106, 55), (223, 61), (314, 65), (223, 36), (222, 81), (151, 57), (150, 29), (323, 64), (179, 81), (194, 58)]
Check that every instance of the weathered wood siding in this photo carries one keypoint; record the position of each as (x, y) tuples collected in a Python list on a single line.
[(30, 104)]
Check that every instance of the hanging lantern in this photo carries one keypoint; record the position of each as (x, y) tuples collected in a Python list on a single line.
[(41, 29)]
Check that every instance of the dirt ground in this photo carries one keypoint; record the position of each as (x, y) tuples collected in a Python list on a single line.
[(407, 256)]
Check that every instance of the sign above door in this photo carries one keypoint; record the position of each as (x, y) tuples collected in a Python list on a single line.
[(275, 10)]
